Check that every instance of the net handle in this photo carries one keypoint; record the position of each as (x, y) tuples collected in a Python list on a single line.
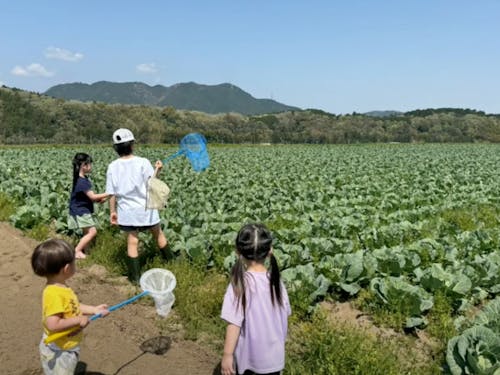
[(120, 305), (178, 153), (57, 336)]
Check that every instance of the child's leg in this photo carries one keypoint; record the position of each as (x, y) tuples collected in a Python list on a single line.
[(59, 362), (132, 244), (134, 269), (159, 236), (162, 242), (89, 234)]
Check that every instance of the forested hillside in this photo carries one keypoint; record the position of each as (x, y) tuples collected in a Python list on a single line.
[(27, 117), (190, 96)]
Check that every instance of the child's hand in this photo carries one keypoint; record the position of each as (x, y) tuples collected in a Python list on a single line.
[(83, 321), (227, 365), (103, 199), (113, 218), (158, 164), (102, 309)]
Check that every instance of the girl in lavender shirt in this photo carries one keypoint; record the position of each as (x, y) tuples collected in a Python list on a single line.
[(256, 308)]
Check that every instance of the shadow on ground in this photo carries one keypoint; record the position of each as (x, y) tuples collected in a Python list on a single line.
[(157, 345)]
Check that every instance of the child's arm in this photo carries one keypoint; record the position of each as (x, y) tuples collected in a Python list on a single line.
[(57, 323), (113, 216), (92, 310), (97, 197), (227, 364)]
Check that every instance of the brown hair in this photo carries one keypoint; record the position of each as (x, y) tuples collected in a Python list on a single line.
[(51, 256)]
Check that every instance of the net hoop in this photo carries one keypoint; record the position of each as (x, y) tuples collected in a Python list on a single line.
[(159, 283), (194, 146)]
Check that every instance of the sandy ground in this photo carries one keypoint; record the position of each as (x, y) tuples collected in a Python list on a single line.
[(117, 344)]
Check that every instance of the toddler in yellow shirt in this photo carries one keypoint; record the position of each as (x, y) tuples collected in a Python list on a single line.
[(54, 259)]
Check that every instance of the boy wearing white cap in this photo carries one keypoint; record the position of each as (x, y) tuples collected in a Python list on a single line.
[(126, 182)]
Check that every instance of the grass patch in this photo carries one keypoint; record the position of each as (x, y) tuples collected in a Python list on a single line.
[(383, 315), (320, 346), (199, 294), (440, 320), (8, 207), (109, 249), (472, 218), (39, 232)]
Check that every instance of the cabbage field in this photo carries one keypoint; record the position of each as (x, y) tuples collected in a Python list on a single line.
[(403, 222)]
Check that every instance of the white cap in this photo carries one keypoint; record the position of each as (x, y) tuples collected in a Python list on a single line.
[(122, 135)]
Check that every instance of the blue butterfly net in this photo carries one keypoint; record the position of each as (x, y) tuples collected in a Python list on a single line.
[(194, 147)]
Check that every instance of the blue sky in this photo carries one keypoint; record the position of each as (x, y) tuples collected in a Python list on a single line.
[(338, 56)]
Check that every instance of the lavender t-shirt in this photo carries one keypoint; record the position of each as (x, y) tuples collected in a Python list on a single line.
[(261, 344)]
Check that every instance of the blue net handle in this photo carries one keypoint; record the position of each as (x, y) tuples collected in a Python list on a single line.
[(178, 153), (121, 304)]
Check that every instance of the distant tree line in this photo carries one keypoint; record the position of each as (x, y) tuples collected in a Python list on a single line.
[(27, 118)]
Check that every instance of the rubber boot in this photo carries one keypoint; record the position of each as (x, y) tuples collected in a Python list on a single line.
[(134, 270), (166, 253)]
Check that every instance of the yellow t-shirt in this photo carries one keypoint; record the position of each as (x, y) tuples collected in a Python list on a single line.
[(61, 300)]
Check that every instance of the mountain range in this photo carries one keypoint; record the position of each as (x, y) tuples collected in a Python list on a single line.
[(222, 98)]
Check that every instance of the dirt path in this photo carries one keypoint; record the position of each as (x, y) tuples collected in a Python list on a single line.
[(111, 345)]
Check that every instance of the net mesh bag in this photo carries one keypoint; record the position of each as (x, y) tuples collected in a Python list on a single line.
[(159, 283), (194, 147)]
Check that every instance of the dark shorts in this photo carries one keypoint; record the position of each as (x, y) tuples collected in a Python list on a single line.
[(131, 228)]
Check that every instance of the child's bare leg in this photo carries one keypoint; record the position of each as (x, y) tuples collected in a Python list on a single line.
[(88, 235), (159, 236), (132, 245), (162, 242), (134, 267)]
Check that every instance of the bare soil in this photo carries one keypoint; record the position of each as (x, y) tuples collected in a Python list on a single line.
[(117, 344)]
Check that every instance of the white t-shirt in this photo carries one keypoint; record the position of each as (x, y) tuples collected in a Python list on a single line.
[(126, 179)]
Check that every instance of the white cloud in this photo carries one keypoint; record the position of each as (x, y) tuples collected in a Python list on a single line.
[(62, 54), (32, 70), (147, 68)]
